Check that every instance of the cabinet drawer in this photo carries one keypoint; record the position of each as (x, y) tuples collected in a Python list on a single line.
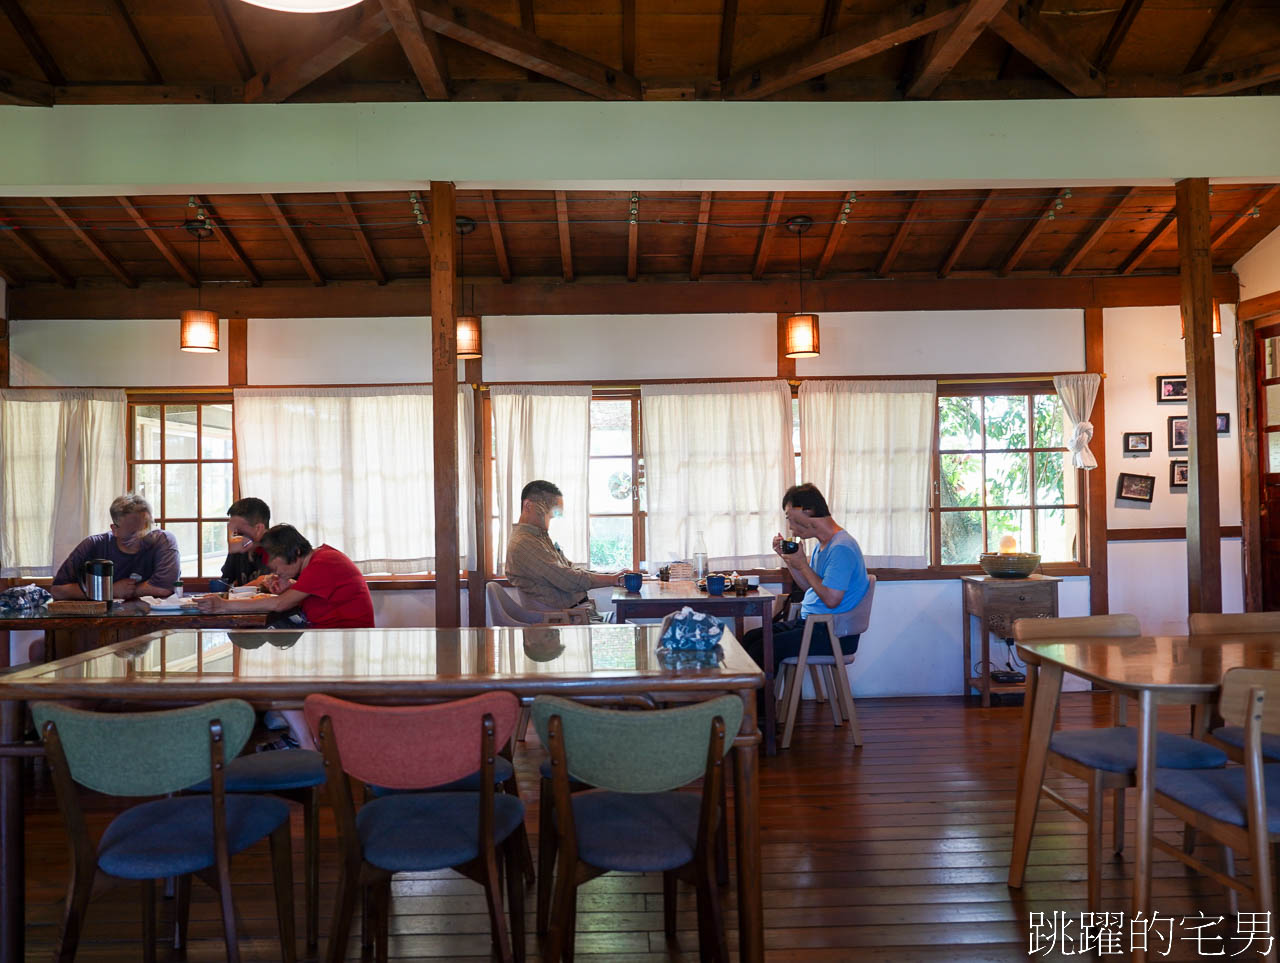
[(1021, 594)]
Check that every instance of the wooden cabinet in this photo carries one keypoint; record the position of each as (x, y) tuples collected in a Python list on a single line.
[(996, 603)]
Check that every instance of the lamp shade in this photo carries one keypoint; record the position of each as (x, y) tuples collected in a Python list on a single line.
[(802, 336), (304, 6), (468, 337), (199, 331), (1217, 323)]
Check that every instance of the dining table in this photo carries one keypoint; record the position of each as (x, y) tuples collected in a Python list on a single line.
[(1154, 671), (275, 669), (657, 598)]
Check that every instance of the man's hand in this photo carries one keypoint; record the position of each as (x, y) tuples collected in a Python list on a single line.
[(124, 588), (777, 545), (211, 603), (260, 581), (238, 544), (276, 585)]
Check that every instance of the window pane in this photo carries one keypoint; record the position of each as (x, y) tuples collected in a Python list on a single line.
[(1050, 432), (1273, 405), (215, 431), (180, 491), (961, 477), (1056, 534), (146, 482), (188, 547), (213, 548), (961, 537), (1273, 451), (1007, 480), (1054, 478), (609, 483), (799, 470), (1271, 357), (1015, 523), (180, 431), (959, 423), (215, 489), (146, 431), (611, 544), (795, 426), (1006, 421), (611, 427)]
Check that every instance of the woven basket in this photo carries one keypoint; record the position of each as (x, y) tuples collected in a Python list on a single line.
[(77, 607)]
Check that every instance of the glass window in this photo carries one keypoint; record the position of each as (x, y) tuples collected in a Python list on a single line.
[(615, 484)]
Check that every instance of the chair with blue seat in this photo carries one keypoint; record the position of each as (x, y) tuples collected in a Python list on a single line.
[(421, 748), (139, 754), (634, 819), (1230, 739), (1107, 758)]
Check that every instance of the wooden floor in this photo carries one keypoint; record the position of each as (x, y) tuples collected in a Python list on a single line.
[(895, 851)]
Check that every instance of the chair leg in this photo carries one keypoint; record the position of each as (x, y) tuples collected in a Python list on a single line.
[(841, 671), (381, 896), (282, 878), (1094, 843), (791, 701), (833, 701), (181, 912), (819, 690), (563, 916), (1263, 882), (223, 878), (149, 920), (712, 943), (669, 904), (1229, 868), (547, 844), (1188, 839), (366, 921), (516, 851), (79, 888), (311, 864), (722, 836), (1117, 824), (522, 723), (344, 910), (497, 914)]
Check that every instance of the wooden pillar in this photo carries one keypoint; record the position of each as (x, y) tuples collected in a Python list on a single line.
[(1204, 539), (237, 352), (1250, 467), (786, 366), (444, 399), (4, 351), (477, 577), (1096, 480)]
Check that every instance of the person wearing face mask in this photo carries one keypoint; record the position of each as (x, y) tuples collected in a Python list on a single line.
[(145, 562), (535, 565)]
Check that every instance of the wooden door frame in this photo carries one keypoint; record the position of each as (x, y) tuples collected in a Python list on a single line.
[(1251, 333)]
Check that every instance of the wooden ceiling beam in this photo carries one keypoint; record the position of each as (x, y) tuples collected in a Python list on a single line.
[(295, 242), (1033, 231), (1233, 76), (161, 245), (906, 21), (31, 40), (1167, 224), (951, 44), (9, 277), (633, 237), (528, 23), (31, 249), (24, 92), (1085, 246), (356, 29), (966, 235), (629, 37), (900, 238), (506, 42), (763, 246), (728, 27), (101, 253), (1223, 20), (1242, 216), (1027, 33), (421, 48), (1120, 28), (357, 232), (700, 236), (231, 39), (153, 75), (495, 231), (562, 228), (833, 238), (228, 241)]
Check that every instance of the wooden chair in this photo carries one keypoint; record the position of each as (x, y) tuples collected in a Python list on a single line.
[(1229, 738), (503, 608), (835, 674), (1105, 759)]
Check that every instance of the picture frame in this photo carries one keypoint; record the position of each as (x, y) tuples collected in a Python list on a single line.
[(1137, 443), (1171, 389), (1179, 433), (1137, 488), (1224, 422), (1179, 469)]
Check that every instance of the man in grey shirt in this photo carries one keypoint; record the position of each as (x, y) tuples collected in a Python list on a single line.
[(145, 562)]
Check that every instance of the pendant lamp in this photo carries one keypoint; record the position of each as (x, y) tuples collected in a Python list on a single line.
[(303, 6), (1217, 322), (801, 331), (468, 324), (198, 327)]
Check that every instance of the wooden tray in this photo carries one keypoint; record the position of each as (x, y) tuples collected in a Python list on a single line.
[(77, 607)]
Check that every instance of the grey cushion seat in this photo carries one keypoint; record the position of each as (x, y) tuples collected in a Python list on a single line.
[(1116, 749), (432, 830), (1220, 793), (636, 832), (1234, 736)]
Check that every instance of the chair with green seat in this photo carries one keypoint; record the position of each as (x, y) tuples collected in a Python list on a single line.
[(634, 820), (155, 754)]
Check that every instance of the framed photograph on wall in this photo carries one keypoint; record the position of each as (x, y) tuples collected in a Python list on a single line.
[(1224, 423), (1137, 442), (1138, 488), (1178, 471), (1171, 388), (1179, 433)]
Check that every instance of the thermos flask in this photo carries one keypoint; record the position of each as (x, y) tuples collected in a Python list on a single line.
[(98, 579)]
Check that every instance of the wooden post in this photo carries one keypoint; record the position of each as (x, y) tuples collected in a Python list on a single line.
[(1250, 468), (444, 399), (477, 578), (1204, 537), (4, 351), (786, 366), (1096, 480), (237, 352)]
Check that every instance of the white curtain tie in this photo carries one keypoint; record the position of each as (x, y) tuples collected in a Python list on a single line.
[(1078, 443)]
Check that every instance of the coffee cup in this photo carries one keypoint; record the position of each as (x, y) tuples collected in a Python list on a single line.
[(632, 581), (715, 584), (790, 546)]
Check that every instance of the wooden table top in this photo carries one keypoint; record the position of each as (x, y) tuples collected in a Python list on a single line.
[(41, 618), (680, 591)]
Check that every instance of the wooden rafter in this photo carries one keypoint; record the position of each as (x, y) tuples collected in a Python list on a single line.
[(421, 48), (562, 227), (1033, 231), (1223, 19), (1227, 78), (355, 30), (838, 223), (830, 17), (1120, 28), (101, 253), (231, 38), (31, 40), (161, 245), (900, 238), (506, 42), (357, 232), (1167, 224), (728, 27), (495, 231), (23, 91), (528, 23), (906, 21), (765, 243), (1242, 216), (1084, 247), (1027, 33), (700, 236), (633, 237), (122, 14), (966, 235), (33, 250), (295, 242), (629, 36), (228, 241), (951, 43)]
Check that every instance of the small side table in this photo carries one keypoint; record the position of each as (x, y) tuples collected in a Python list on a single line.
[(996, 603)]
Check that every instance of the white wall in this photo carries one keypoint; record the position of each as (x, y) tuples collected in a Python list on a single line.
[(130, 354), (311, 351), (1259, 270)]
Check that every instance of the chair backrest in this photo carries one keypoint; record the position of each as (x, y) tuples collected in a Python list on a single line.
[(144, 753), (641, 751), (1233, 704), (1238, 623), (859, 617), (1077, 627), (503, 609), (413, 747)]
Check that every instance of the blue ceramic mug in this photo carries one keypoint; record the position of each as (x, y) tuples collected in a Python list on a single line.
[(631, 581), (715, 584)]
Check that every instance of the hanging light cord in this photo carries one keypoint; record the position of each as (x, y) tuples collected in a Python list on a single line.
[(800, 268)]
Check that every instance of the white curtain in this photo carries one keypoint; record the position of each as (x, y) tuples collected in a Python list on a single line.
[(543, 431), (353, 468), (718, 459), (868, 446), (62, 461), (1078, 392)]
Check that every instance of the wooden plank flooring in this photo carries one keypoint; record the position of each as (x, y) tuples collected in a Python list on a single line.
[(895, 851)]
